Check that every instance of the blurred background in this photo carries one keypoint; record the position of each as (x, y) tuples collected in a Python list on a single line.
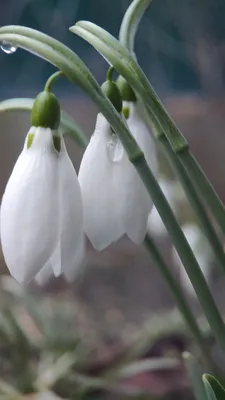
[(120, 298)]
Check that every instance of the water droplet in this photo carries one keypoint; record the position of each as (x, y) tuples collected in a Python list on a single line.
[(8, 48), (115, 148)]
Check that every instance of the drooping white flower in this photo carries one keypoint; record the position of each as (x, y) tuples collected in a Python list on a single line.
[(202, 252), (41, 210), (115, 200)]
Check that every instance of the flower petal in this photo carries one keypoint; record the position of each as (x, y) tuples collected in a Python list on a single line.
[(44, 275), (136, 200), (30, 208), (71, 215), (97, 176), (51, 268), (72, 273)]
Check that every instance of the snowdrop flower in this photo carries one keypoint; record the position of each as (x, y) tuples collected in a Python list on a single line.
[(203, 254), (115, 200), (155, 224), (41, 212)]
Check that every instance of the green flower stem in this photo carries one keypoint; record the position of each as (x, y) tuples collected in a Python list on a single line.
[(204, 187), (131, 21), (186, 255), (126, 65), (67, 125), (51, 80), (179, 297), (109, 75), (195, 202)]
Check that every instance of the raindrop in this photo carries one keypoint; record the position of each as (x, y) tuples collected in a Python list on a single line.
[(8, 48), (115, 148)]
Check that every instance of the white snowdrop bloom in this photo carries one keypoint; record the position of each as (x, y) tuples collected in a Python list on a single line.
[(115, 200), (69, 252), (202, 252), (41, 212), (155, 224)]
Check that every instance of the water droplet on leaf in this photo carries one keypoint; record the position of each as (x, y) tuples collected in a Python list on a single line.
[(8, 48), (115, 148)]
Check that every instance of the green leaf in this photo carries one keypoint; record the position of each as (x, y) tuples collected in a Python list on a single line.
[(214, 389)]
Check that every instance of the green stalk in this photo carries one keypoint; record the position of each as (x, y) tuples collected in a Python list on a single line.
[(195, 202), (52, 79), (186, 255), (179, 297), (204, 187)]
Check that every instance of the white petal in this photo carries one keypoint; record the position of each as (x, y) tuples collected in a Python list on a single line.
[(55, 261), (71, 215), (72, 273), (51, 268), (29, 210), (44, 275), (97, 176), (137, 203)]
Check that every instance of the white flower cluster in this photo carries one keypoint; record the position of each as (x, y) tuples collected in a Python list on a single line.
[(46, 209)]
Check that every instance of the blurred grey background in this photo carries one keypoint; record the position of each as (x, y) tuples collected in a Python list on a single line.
[(179, 44), (181, 47)]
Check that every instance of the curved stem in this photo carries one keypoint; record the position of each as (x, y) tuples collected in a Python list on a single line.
[(51, 80), (109, 75), (130, 23)]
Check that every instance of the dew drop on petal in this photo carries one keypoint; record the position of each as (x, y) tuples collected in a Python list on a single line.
[(115, 148), (8, 48)]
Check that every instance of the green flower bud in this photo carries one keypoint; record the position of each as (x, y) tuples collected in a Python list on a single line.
[(126, 90), (46, 111), (111, 90)]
